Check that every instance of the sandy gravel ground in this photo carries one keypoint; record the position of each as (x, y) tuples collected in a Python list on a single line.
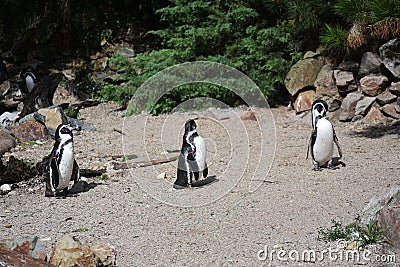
[(260, 197)]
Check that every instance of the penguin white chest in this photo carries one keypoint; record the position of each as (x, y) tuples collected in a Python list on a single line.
[(66, 165), (323, 146), (200, 152)]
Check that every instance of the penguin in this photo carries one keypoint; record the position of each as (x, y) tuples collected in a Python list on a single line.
[(323, 137), (30, 79), (41, 95), (192, 159), (62, 167)]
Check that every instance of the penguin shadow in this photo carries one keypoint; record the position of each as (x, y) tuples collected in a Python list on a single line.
[(81, 187), (205, 182)]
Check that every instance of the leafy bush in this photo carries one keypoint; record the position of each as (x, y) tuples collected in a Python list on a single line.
[(232, 33)]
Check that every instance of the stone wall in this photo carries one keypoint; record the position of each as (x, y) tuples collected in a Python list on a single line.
[(368, 90)]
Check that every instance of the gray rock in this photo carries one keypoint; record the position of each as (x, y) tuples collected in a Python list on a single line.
[(386, 97), (363, 105), (218, 113), (8, 119), (390, 110), (343, 78), (30, 246), (302, 74), (352, 66), (374, 117), (51, 118), (5, 188), (370, 63), (326, 88), (70, 252), (390, 53), (377, 203), (389, 222), (394, 88), (7, 141), (373, 84), (347, 110), (310, 54)]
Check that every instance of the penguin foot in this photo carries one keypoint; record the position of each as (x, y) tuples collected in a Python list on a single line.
[(48, 193), (317, 168), (332, 167)]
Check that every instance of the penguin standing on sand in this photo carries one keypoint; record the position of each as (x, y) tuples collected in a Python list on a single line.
[(323, 137), (62, 165), (192, 159)]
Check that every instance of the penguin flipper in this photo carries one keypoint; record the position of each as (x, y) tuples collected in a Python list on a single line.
[(54, 172), (75, 172), (336, 140), (182, 173), (311, 143)]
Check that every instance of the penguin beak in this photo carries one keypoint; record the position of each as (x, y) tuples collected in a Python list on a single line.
[(74, 127)]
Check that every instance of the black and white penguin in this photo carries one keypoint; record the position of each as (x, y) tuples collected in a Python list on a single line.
[(323, 137), (62, 165), (41, 95), (192, 159), (30, 79)]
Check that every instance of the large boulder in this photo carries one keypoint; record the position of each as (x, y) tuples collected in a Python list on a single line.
[(343, 78), (386, 97), (385, 209), (302, 74), (374, 117), (373, 84), (28, 130), (348, 107), (51, 117), (12, 258), (304, 101), (70, 252), (326, 88), (370, 63), (390, 53), (391, 110), (363, 106)]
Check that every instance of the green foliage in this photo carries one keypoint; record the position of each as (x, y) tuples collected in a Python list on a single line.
[(352, 232), (334, 37), (30, 164), (232, 33), (80, 230), (337, 231)]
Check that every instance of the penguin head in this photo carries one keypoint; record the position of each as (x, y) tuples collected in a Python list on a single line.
[(190, 125), (63, 132), (319, 108)]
